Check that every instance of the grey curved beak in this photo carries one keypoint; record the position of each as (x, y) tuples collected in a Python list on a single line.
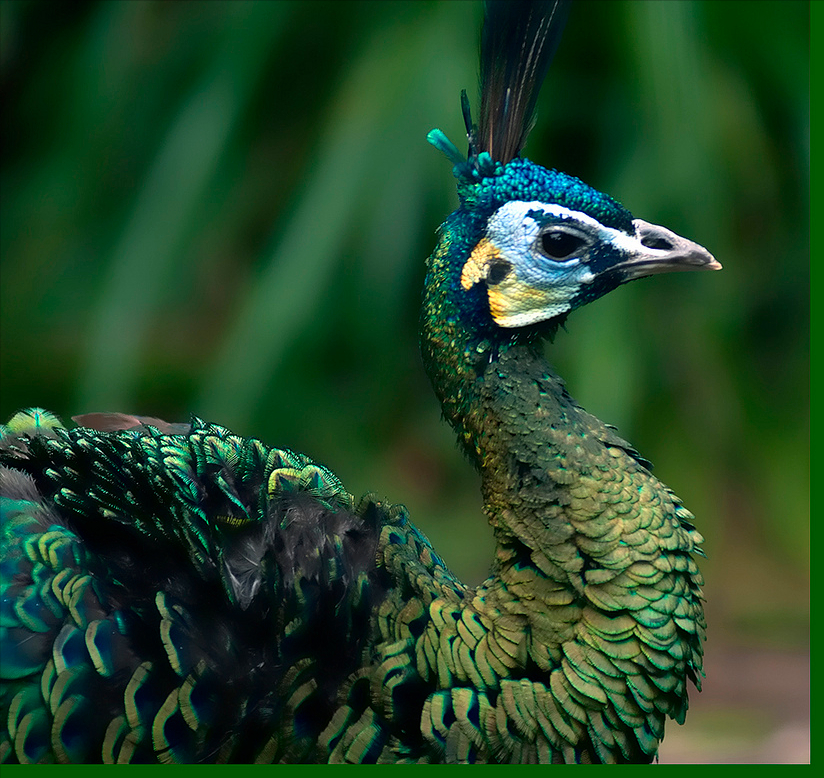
[(660, 250)]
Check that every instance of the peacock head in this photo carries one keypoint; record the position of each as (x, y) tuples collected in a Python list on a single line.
[(539, 243), (546, 243)]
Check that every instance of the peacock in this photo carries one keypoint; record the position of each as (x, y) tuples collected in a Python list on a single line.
[(178, 593)]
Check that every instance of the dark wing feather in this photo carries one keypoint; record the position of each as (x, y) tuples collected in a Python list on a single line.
[(518, 42)]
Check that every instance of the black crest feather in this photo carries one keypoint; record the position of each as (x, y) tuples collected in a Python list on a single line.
[(518, 42)]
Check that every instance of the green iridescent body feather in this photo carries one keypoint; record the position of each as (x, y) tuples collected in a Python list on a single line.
[(176, 593)]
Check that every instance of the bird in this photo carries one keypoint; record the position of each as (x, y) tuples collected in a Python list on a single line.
[(177, 593)]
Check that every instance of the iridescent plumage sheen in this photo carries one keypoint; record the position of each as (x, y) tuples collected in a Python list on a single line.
[(177, 593)]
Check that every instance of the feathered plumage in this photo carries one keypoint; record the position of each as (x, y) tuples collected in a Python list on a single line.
[(518, 43), (177, 593)]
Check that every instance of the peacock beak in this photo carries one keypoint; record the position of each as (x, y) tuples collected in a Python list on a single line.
[(659, 250)]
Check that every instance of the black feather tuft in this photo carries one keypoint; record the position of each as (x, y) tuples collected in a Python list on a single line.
[(518, 42)]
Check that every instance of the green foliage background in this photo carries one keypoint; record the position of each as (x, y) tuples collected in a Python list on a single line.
[(224, 208)]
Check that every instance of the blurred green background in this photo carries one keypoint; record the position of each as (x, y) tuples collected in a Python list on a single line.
[(224, 208)]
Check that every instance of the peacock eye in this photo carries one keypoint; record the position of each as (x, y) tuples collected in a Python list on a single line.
[(560, 244)]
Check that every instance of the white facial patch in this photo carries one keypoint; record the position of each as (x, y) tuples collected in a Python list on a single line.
[(536, 258), (514, 233), (531, 287)]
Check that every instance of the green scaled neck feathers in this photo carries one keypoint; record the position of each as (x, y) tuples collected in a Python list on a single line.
[(593, 559), (594, 555)]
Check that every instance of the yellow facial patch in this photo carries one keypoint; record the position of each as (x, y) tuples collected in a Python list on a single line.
[(477, 266), (515, 304), (512, 302)]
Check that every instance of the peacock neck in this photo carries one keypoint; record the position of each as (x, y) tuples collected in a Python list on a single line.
[(510, 411), (589, 544)]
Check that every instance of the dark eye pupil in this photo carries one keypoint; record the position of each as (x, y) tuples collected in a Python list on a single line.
[(559, 245)]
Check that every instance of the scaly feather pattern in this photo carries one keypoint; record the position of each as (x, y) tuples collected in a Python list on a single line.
[(177, 593)]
